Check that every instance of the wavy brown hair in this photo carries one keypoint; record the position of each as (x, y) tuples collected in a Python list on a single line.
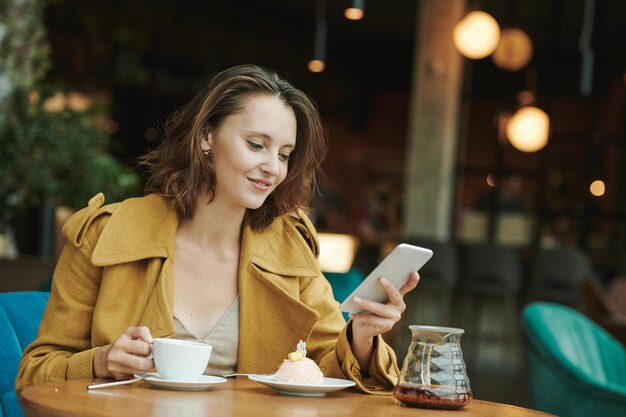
[(179, 171)]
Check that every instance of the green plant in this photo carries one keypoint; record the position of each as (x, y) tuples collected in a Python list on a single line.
[(54, 154), (51, 153), (24, 49), (51, 150)]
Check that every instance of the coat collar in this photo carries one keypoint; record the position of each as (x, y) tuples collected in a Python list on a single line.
[(141, 228), (280, 249)]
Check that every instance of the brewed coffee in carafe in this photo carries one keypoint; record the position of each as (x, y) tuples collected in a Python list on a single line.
[(433, 373)]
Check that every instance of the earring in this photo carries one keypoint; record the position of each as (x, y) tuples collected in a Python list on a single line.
[(205, 147)]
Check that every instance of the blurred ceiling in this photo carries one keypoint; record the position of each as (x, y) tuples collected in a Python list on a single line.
[(198, 36), (155, 54)]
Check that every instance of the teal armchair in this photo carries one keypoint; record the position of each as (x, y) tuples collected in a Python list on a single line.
[(20, 314), (343, 283), (575, 367)]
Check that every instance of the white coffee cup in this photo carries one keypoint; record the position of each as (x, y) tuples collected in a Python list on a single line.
[(180, 360)]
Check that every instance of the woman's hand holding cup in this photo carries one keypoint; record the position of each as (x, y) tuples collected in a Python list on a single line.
[(130, 354)]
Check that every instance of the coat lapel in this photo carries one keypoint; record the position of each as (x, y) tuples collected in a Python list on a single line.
[(159, 310), (142, 231), (272, 319)]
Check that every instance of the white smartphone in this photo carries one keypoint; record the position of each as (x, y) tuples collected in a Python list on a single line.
[(396, 267)]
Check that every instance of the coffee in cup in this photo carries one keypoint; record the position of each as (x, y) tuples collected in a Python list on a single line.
[(180, 359)]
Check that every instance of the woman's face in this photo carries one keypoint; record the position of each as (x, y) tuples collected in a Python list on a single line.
[(251, 151)]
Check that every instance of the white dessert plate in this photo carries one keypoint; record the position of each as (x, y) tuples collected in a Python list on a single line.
[(203, 383), (290, 388)]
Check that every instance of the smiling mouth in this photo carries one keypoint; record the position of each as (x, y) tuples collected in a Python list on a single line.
[(261, 183)]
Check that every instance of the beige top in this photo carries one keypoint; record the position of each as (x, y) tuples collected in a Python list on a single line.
[(224, 338)]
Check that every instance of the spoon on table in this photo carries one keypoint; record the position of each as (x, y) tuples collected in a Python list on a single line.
[(115, 383)]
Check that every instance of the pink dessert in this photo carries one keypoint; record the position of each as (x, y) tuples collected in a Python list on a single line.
[(304, 371), (299, 369)]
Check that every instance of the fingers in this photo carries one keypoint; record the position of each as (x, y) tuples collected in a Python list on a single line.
[(138, 347), (383, 316), (128, 355), (371, 325), (390, 310), (366, 326), (122, 364), (410, 284), (136, 340), (139, 332), (394, 295)]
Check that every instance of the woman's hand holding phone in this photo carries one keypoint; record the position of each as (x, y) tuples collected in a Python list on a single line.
[(378, 318)]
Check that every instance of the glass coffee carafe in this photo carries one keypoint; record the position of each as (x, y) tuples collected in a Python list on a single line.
[(433, 373)]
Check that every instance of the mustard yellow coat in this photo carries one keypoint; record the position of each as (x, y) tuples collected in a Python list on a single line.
[(116, 271)]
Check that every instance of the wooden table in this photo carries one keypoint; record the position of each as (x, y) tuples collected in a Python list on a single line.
[(237, 397)]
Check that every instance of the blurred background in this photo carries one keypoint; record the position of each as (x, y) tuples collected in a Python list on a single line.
[(429, 111)]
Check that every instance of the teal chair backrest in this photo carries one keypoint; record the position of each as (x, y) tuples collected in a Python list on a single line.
[(343, 283), (20, 314), (575, 367)]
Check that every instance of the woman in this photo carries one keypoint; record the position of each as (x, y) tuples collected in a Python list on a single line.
[(219, 251)]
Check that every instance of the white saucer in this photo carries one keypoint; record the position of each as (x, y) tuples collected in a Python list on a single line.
[(204, 382), (290, 388)]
